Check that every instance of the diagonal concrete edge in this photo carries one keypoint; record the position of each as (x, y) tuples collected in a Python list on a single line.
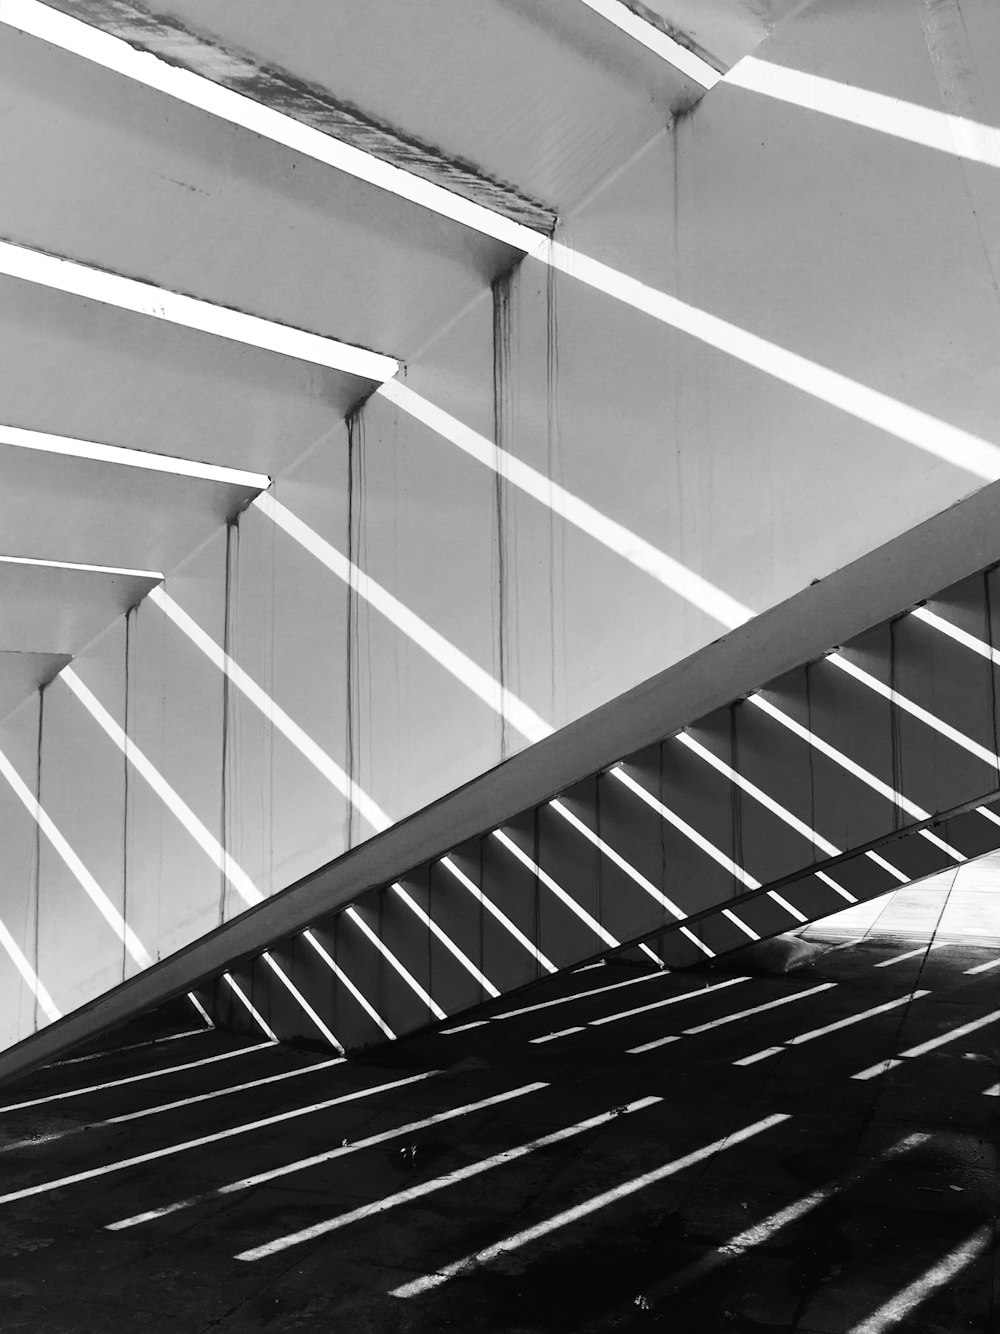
[(918, 564)]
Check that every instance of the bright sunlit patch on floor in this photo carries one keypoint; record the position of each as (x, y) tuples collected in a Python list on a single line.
[(909, 954), (835, 1027), (136, 950), (759, 1233), (442, 1182), (318, 1159), (669, 1000), (171, 1150), (957, 136), (178, 1103), (577, 996), (112, 289), (136, 1079), (113, 53), (983, 967), (45, 443), (148, 1043), (759, 1009), (573, 1215), (899, 1307), (660, 43)]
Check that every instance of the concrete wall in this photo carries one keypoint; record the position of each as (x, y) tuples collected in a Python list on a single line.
[(847, 245)]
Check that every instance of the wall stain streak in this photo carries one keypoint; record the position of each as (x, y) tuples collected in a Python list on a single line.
[(503, 404), (225, 831), (36, 853), (130, 622), (352, 665)]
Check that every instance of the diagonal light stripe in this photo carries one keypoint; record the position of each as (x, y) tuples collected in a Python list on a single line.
[(368, 809), (446, 941), (855, 770), (459, 664), (442, 1182), (573, 1215), (775, 808), (162, 1107), (910, 424), (318, 1159), (135, 1079), (900, 1306), (589, 921), (930, 434), (958, 136), (401, 969), (938, 725), (339, 973), (249, 1006), (233, 872), (932, 1044), (20, 961), (509, 926), (759, 1009), (75, 866), (293, 990), (112, 289), (617, 538), (324, 763), (171, 1150), (646, 885), (670, 1000)]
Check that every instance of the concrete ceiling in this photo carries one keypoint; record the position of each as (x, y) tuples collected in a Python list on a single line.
[(526, 109)]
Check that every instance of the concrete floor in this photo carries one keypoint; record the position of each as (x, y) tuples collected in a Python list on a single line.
[(962, 904), (865, 1204)]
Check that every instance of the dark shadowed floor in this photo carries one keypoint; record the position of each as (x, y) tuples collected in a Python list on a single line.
[(693, 1152)]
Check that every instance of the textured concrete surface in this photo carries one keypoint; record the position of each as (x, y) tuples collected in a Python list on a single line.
[(960, 904), (840, 1216)]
